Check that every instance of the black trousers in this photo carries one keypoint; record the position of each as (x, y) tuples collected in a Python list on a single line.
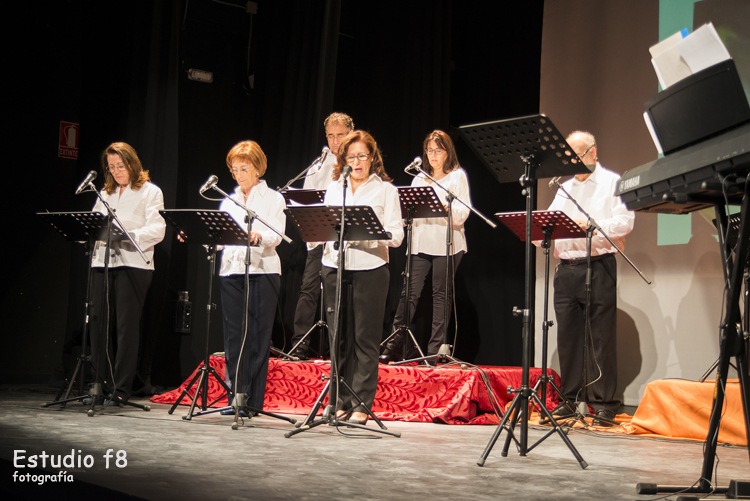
[(420, 267), (309, 295), (362, 309), (264, 294), (570, 300), (127, 293)]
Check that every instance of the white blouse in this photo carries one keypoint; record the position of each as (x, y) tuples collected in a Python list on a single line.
[(428, 236), (269, 205), (139, 213), (382, 196)]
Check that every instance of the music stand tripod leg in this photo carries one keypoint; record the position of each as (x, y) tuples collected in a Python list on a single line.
[(559, 430), (404, 326), (321, 324), (80, 370), (500, 427), (206, 370)]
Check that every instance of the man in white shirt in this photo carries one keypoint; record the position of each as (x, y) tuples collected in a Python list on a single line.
[(337, 126), (595, 192)]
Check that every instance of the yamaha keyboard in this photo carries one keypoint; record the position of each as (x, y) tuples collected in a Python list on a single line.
[(693, 178)]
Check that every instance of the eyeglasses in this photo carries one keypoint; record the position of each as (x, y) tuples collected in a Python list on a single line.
[(586, 152), (434, 152), (361, 157), (331, 137), (113, 168), (244, 170)]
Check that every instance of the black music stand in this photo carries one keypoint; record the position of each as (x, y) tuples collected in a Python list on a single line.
[(108, 233), (209, 228), (525, 148), (308, 197), (323, 224), (416, 202), (546, 226), (304, 197), (88, 227)]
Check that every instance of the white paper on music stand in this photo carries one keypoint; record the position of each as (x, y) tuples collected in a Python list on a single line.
[(703, 48), (669, 65)]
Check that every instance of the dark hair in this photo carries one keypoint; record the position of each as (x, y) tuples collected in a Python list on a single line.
[(340, 119), (137, 174), (356, 136), (444, 141)]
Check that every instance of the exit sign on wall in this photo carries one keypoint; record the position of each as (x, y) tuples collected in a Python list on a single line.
[(67, 146)]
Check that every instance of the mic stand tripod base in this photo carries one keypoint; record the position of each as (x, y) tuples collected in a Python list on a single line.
[(396, 334), (442, 356), (329, 415), (290, 356), (239, 404)]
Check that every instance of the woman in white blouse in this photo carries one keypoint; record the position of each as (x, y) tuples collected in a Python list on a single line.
[(247, 163), (366, 275), (137, 203), (429, 242)]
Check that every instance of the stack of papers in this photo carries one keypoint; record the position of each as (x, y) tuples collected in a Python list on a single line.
[(681, 55)]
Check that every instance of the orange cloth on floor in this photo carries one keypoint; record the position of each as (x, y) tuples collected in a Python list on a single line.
[(680, 409)]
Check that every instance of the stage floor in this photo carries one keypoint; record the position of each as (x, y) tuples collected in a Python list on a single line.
[(168, 458)]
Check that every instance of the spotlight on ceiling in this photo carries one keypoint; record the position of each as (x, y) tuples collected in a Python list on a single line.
[(200, 75)]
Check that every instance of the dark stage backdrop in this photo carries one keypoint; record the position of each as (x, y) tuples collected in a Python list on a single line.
[(400, 69)]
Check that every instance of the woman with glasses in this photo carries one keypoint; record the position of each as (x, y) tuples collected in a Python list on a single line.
[(429, 243), (365, 277), (137, 202), (247, 163)]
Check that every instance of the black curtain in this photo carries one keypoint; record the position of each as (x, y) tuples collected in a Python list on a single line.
[(289, 48), (400, 69), (130, 94)]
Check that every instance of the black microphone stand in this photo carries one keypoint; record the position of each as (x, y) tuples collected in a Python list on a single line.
[(239, 402), (318, 161), (444, 353), (96, 391), (329, 413), (582, 406), (111, 217)]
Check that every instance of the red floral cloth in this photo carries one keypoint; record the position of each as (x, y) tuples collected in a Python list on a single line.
[(406, 393)]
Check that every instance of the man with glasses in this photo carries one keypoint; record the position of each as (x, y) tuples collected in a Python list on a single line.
[(337, 127), (595, 192)]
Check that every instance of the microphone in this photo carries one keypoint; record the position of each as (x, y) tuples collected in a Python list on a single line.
[(415, 164), (91, 176), (325, 153), (346, 171), (554, 181), (210, 183)]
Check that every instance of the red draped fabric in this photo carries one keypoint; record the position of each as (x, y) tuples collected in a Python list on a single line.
[(407, 393)]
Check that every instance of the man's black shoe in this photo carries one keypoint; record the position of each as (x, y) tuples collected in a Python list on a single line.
[(302, 352), (605, 418), (563, 409)]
